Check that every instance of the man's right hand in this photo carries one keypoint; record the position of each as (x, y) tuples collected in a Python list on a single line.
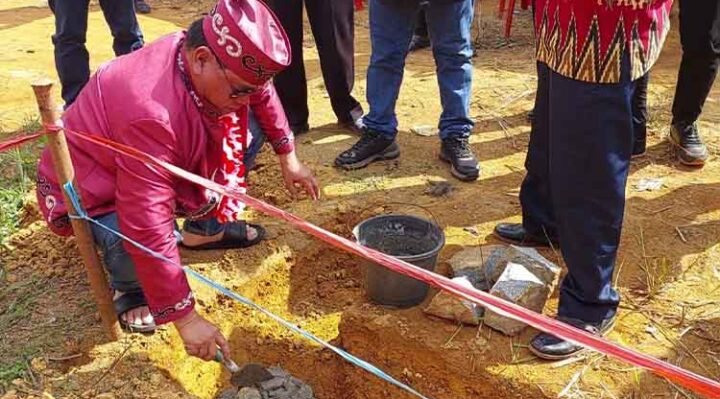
[(201, 337)]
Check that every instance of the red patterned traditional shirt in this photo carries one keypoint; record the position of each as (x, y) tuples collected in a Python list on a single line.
[(586, 39)]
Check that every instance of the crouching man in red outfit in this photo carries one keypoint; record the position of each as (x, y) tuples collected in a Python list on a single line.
[(183, 99)]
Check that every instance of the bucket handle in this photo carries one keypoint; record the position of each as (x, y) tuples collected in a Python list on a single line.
[(435, 220)]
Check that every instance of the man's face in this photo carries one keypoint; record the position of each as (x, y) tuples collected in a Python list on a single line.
[(219, 86)]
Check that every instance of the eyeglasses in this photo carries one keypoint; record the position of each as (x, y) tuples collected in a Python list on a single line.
[(236, 91)]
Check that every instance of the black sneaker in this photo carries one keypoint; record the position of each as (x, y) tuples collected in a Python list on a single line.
[(142, 7), (456, 151), (373, 146), (418, 43), (549, 347), (689, 148)]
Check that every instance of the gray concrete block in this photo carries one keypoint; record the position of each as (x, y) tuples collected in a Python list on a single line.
[(473, 263), (228, 394), (248, 393), (277, 372), (305, 392), (521, 286), (448, 306), (273, 384), (545, 270)]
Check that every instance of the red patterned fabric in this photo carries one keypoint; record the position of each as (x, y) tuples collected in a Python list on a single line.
[(232, 167), (586, 39)]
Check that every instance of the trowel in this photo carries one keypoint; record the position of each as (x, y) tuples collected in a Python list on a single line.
[(249, 375)]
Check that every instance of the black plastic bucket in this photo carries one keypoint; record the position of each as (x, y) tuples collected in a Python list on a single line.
[(409, 238)]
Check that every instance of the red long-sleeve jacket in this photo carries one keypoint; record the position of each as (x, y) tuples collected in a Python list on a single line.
[(140, 100)]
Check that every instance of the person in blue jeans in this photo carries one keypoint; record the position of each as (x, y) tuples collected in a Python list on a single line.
[(391, 29), (72, 60)]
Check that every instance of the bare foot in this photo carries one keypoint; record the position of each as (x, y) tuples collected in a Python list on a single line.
[(138, 317)]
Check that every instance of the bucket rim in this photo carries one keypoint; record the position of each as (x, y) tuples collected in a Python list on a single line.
[(436, 250)]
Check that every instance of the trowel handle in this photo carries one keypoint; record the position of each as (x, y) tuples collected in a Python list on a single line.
[(228, 363)]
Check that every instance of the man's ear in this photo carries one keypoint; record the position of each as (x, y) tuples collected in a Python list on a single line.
[(199, 58)]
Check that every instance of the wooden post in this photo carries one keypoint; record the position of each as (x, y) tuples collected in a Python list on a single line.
[(83, 234)]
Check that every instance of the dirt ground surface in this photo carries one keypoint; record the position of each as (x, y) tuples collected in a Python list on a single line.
[(668, 270)]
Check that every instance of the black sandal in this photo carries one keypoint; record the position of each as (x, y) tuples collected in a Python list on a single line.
[(234, 236), (127, 302)]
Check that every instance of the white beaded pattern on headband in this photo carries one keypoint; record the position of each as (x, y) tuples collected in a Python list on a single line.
[(233, 48)]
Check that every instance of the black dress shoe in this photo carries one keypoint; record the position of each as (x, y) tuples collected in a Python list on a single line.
[(639, 148), (514, 233), (550, 347), (689, 147)]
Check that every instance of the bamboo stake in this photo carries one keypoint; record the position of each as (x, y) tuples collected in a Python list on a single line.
[(65, 172)]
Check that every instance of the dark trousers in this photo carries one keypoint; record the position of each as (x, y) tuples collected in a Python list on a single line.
[(71, 56), (640, 114), (700, 37), (332, 24), (421, 26), (574, 191)]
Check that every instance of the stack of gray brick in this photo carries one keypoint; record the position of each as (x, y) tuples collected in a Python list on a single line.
[(278, 385)]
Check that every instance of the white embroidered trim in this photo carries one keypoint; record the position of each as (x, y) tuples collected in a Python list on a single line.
[(185, 302), (233, 48), (50, 203)]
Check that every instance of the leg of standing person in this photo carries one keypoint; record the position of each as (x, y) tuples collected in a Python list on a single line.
[(700, 37), (333, 26), (72, 60), (640, 115), (450, 27), (421, 37), (291, 83), (390, 33), (125, 29), (589, 157), (538, 227)]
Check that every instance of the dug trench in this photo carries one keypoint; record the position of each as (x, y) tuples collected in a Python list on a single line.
[(435, 357), (51, 341), (324, 287)]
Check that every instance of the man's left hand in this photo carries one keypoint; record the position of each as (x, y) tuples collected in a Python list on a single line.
[(298, 177)]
